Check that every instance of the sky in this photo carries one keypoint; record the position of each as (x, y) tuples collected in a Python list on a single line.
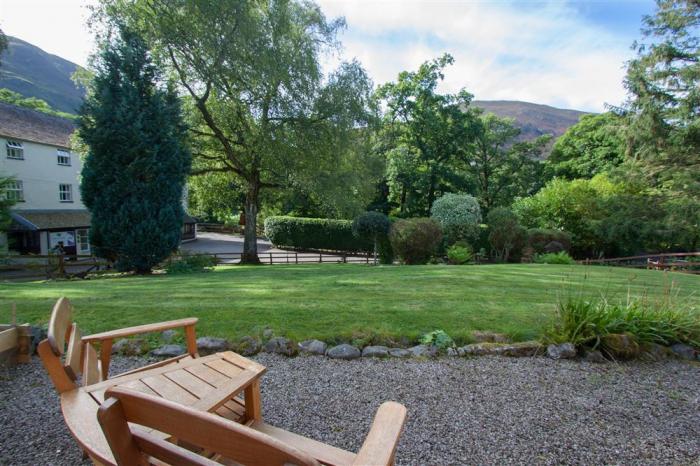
[(568, 54)]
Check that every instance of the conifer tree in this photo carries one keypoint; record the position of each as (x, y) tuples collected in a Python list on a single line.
[(137, 162)]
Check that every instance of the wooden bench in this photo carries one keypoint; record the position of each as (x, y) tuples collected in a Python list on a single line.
[(67, 355), (213, 440)]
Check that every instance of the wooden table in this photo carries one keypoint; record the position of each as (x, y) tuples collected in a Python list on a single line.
[(213, 383)]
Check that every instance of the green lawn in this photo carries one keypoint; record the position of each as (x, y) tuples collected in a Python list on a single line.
[(343, 302)]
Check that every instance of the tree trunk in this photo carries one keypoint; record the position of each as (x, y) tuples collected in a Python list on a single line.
[(250, 240), (431, 190)]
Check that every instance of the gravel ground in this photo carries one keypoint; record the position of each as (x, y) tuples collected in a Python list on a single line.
[(486, 410)]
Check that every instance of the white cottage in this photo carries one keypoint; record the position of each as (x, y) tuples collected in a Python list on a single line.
[(35, 151)]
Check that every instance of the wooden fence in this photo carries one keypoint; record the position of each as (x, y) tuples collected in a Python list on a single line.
[(675, 261), (78, 266)]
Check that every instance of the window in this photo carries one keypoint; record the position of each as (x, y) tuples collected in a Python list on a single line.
[(63, 157), (15, 191), (82, 241), (65, 193), (15, 150)]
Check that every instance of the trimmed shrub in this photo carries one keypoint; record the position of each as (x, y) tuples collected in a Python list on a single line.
[(386, 252), (561, 258), (539, 238), (373, 227), (506, 236), (458, 254), (314, 233), (415, 240), (459, 215)]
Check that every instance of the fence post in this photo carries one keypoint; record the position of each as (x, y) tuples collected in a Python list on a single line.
[(345, 258), (270, 258), (367, 258), (320, 258), (296, 257)]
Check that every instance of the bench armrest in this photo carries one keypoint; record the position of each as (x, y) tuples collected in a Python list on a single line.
[(139, 329), (106, 338), (380, 445)]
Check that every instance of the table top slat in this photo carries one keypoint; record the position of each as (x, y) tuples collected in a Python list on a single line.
[(169, 390), (191, 383), (208, 374), (221, 395), (225, 367)]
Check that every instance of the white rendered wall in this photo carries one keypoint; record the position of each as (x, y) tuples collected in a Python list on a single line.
[(41, 174)]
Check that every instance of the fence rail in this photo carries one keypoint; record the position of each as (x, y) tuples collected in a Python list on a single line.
[(675, 261), (59, 266)]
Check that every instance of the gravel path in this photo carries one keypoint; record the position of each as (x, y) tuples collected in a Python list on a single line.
[(486, 410)]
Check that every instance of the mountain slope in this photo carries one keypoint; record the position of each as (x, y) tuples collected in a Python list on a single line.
[(30, 71), (533, 119)]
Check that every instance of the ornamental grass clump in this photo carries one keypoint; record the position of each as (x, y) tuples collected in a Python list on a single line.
[(587, 322)]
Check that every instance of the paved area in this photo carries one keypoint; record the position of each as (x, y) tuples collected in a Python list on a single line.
[(487, 410), (213, 243), (222, 243)]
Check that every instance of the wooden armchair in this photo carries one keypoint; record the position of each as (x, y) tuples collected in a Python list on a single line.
[(66, 353), (128, 417)]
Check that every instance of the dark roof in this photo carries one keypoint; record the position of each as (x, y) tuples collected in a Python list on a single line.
[(35, 220), (29, 125), (48, 219)]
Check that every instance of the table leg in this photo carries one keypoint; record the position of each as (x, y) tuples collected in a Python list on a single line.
[(253, 410)]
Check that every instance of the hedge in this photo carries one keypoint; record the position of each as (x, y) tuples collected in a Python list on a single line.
[(314, 233)]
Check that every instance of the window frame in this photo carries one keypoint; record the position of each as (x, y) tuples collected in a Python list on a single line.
[(14, 149), (62, 192), (17, 189), (61, 153)]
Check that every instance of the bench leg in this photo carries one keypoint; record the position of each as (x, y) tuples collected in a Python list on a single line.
[(253, 409)]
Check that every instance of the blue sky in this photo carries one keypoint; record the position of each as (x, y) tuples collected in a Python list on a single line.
[(567, 54)]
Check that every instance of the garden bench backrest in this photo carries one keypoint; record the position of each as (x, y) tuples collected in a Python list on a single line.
[(126, 408), (64, 354)]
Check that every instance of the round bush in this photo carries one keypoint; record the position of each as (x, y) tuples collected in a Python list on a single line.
[(539, 238), (459, 215), (371, 225), (415, 240)]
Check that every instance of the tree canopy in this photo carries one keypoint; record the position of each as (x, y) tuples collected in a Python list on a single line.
[(262, 108), (137, 158), (594, 145)]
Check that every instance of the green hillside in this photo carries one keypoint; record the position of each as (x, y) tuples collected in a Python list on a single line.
[(30, 71)]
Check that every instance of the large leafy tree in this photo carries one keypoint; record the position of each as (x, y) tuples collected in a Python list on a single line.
[(137, 160), (664, 105), (261, 102), (595, 144), (424, 132), (500, 166)]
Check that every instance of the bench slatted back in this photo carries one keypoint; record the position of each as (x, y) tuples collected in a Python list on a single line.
[(60, 325), (64, 354), (204, 430)]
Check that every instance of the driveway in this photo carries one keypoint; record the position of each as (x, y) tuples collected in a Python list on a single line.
[(217, 243), (221, 243)]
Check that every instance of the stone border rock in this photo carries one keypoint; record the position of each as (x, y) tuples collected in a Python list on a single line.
[(489, 344)]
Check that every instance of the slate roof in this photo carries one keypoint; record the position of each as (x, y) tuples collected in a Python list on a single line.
[(34, 220), (29, 125), (48, 219)]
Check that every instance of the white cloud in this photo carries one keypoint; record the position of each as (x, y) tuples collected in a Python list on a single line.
[(56, 26), (544, 53)]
